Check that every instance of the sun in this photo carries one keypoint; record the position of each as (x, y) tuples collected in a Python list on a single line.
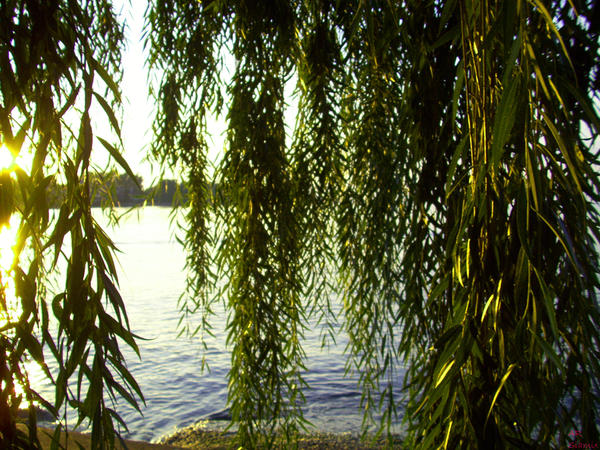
[(10, 160), (7, 231), (8, 239), (7, 159), (9, 308)]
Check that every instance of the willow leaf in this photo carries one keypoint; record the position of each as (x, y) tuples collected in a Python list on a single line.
[(565, 152), (550, 23), (444, 371), (504, 119), (548, 298), (114, 152), (500, 386), (109, 113)]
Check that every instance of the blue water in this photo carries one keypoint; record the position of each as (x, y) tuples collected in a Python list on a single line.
[(178, 393)]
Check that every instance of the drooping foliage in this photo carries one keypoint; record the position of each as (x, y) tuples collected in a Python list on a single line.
[(441, 177), (59, 66)]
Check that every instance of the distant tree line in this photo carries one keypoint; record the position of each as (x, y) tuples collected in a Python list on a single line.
[(120, 189)]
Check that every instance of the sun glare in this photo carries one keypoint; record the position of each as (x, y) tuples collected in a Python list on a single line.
[(8, 239), (10, 308), (7, 160), (10, 161)]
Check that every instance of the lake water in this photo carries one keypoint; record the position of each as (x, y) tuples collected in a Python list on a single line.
[(178, 393)]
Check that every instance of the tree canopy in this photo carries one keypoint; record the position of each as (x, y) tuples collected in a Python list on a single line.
[(440, 180)]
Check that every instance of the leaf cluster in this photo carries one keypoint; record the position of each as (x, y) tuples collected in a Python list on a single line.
[(440, 180), (59, 65)]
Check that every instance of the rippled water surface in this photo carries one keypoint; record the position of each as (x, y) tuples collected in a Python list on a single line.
[(177, 392)]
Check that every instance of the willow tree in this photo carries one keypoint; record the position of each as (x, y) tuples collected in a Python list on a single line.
[(59, 63), (440, 179), (441, 176)]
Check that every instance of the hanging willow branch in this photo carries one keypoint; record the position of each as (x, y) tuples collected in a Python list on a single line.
[(59, 61), (438, 181)]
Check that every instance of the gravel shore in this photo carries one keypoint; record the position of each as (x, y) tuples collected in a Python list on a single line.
[(198, 437), (201, 436)]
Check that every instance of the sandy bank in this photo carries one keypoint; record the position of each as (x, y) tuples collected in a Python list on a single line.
[(45, 437)]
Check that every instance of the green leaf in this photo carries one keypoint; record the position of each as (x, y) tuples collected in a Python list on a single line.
[(568, 248), (504, 119), (549, 298), (444, 371), (16, 144), (431, 437), (447, 12), (55, 442), (84, 141), (447, 336), (551, 26), (563, 148), (114, 296), (119, 158), (108, 79), (458, 154), (109, 113), (502, 381), (549, 351), (522, 207), (511, 63), (117, 328)]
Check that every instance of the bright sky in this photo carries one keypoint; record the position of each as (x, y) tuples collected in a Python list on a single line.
[(138, 107), (136, 126)]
